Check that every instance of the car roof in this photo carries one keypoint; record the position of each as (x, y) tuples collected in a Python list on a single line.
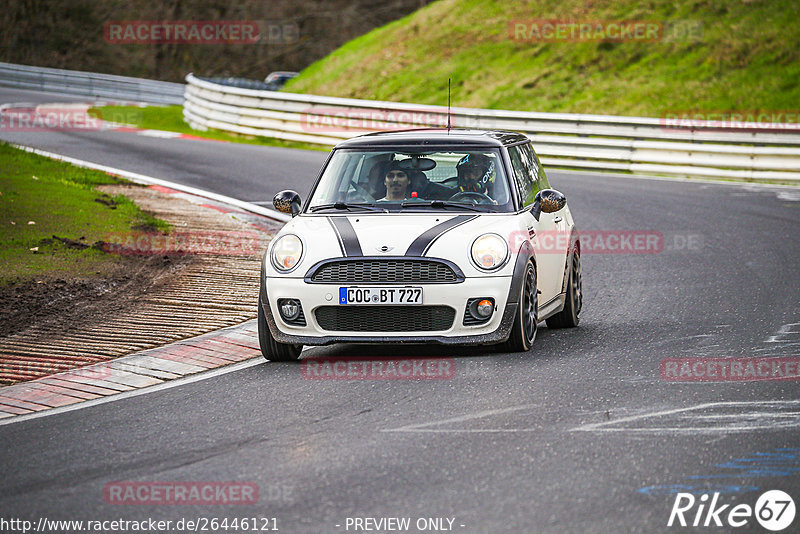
[(435, 137)]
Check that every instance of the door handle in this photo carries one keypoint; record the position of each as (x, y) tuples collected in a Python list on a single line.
[(557, 219)]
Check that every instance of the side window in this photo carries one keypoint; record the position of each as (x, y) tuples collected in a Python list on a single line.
[(535, 168), (542, 176), (523, 161)]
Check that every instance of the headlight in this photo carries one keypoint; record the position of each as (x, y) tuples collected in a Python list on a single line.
[(286, 253), (489, 252)]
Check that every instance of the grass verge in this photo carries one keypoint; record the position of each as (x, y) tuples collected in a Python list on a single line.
[(51, 215), (711, 56)]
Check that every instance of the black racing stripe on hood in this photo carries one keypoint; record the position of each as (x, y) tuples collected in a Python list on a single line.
[(346, 234), (422, 243)]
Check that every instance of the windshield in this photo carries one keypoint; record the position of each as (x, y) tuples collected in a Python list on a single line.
[(467, 180)]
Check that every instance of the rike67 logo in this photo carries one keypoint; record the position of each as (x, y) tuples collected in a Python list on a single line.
[(774, 511)]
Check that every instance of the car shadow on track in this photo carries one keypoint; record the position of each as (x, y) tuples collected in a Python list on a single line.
[(550, 344)]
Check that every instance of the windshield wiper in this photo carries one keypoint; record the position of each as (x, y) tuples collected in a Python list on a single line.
[(345, 206), (440, 204)]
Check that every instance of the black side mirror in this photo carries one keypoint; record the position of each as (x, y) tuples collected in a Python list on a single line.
[(547, 201), (287, 201)]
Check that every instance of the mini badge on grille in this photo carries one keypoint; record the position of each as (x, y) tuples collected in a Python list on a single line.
[(384, 248)]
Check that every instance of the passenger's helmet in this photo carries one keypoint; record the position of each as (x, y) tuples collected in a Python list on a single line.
[(475, 171)]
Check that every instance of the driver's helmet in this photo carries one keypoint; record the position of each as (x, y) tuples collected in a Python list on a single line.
[(475, 172)]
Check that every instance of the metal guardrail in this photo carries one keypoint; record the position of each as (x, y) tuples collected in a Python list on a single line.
[(91, 84), (589, 142)]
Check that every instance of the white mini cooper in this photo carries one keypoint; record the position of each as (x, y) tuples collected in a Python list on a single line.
[(419, 236)]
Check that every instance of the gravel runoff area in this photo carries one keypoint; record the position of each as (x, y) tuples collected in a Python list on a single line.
[(201, 277)]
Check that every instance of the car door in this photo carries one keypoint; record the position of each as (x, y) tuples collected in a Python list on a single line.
[(550, 237)]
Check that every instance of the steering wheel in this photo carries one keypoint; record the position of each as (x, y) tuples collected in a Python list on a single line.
[(473, 197), (356, 197), (360, 194)]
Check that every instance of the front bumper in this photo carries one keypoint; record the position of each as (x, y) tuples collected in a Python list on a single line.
[(313, 296)]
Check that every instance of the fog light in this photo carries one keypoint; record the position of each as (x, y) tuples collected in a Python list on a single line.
[(290, 309), (479, 311), (485, 308)]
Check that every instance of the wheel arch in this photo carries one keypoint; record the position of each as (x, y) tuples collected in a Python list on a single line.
[(524, 254), (574, 246)]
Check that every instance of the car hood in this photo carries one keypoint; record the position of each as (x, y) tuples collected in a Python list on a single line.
[(440, 235)]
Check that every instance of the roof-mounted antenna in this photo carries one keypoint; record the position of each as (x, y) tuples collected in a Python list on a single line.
[(448, 105)]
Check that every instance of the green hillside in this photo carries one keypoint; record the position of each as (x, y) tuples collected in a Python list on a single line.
[(740, 55)]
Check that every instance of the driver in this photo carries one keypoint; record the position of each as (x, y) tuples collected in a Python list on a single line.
[(397, 182), (475, 173)]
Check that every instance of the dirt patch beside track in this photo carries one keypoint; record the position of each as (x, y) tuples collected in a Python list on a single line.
[(67, 302), (201, 277)]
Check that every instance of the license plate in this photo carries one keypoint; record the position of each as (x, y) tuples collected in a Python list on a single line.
[(380, 295)]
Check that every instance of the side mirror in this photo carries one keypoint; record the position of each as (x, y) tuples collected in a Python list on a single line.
[(287, 201), (547, 201)]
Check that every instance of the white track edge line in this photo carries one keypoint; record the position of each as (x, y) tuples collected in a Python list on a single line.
[(149, 180), (281, 217), (197, 377)]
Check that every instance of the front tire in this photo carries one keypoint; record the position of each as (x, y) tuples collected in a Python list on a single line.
[(270, 348), (526, 320), (570, 316)]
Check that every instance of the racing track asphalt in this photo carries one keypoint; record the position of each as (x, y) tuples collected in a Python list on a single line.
[(547, 441)]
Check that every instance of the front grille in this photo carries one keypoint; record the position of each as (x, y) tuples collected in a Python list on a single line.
[(376, 271), (385, 318)]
